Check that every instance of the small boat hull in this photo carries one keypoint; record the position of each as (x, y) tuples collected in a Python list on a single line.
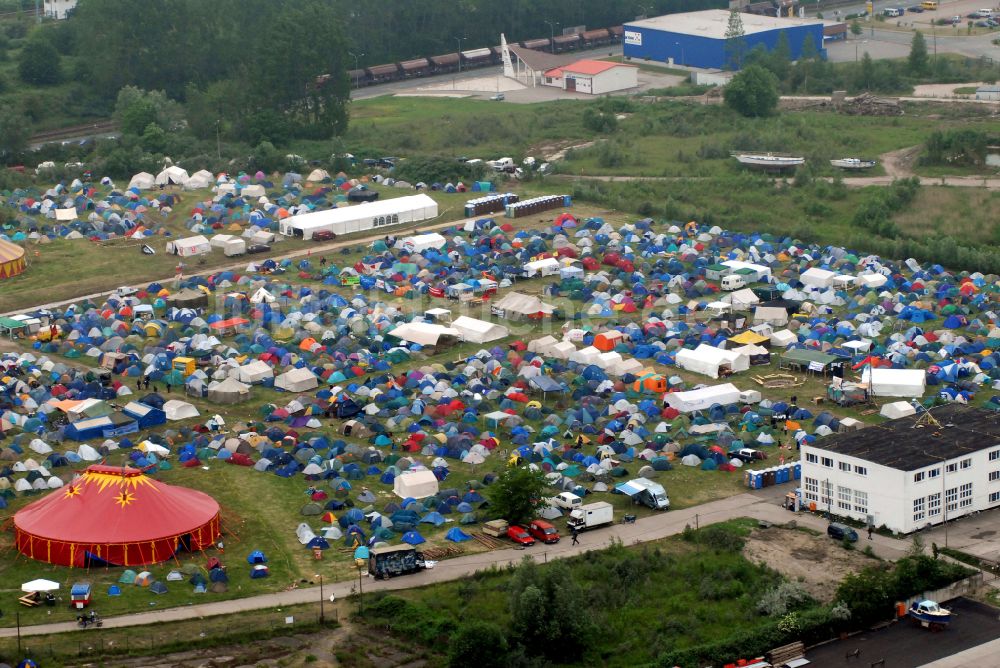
[(768, 162), (853, 163), (932, 616)]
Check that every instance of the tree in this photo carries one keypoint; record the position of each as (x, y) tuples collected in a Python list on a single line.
[(136, 108), (39, 63), (866, 75), (752, 92), (478, 643), (918, 62), (735, 40), (15, 130), (517, 494), (856, 28), (545, 614)]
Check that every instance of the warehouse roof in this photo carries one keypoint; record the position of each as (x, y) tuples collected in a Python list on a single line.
[(712, 23), (909, 443)]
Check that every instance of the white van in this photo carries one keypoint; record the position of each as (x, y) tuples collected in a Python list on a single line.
[(892, 11), (985, 13), (733, 282)]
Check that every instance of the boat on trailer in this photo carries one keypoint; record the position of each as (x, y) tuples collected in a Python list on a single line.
[(930, 614), (769, 161), (853, 163)]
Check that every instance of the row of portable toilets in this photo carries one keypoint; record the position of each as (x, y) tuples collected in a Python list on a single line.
[(775, 475)]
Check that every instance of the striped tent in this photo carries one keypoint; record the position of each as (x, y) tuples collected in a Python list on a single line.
[(11, 259)]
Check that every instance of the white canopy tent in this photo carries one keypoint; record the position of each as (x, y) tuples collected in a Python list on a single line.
[(415, 484), (895, 382), (698, 400), (423, 333), (478, 331), (709, 361)]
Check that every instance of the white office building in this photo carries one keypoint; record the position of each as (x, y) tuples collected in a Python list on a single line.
[(910, 472)]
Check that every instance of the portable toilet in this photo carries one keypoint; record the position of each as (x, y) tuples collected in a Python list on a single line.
[(79, 595), (185, 365), (797, 470)]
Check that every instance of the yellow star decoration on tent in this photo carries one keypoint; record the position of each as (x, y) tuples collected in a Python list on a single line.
[(124, 498), (72, 491)]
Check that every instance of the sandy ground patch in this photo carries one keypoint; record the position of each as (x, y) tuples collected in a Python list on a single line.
[(818, 563), (487, 84)]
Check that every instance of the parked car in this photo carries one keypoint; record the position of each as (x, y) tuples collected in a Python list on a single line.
[(567, 501), (915, 9), (125, 291), (544, 532), (499, 97), (955, 20), (839, 531), (748, 454), (520, 535), (324, 235), (258, 248)]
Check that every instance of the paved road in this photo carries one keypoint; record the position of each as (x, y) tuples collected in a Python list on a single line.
[(762, 504), (906, 645)]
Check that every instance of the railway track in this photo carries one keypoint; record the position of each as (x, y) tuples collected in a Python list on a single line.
[(73, 131)]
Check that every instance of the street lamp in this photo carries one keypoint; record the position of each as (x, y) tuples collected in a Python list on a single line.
[(356, 66), (856, 49), (322, 613), (681, 47), (360, 590), (552, 34)]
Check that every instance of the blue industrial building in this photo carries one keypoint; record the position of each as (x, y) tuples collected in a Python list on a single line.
[(698, 39)]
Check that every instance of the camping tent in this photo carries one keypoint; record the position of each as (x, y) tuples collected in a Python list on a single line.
[(698, 400), (175, 409), (478, 331), (142, 181), (229, 391), (897, 409), (190, 246), (709, 361), (415, 484), (895, 382), (519, 305), (118, 516), (296, 380), (423, 333), (256, 371), (817, 278), (421, 242), (172, 176)]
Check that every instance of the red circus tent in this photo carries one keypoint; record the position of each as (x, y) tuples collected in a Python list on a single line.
[(118, 516)]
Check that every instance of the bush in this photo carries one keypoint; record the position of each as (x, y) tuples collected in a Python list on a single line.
[(480, 644), (720, 538), (782, 599)]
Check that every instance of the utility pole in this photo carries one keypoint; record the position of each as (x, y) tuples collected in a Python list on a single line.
[(322, 613)]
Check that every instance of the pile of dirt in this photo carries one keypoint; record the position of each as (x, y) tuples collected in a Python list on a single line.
[(867, 104), (816, 562)]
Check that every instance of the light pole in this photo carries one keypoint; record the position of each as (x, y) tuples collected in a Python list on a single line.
[(356, 66), (459, 40), (681, 47), (322, 613), (552, 34), (360, 591), (865, 41)]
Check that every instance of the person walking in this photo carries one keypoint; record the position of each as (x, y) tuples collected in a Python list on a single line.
[(869, 532), (576, 536)]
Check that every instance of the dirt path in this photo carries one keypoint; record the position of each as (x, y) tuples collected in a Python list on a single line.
[(899, 164)]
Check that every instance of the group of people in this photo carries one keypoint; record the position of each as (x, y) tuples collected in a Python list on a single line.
[(145, 383)]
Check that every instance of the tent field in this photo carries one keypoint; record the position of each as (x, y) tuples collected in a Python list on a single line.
[(279, 389)]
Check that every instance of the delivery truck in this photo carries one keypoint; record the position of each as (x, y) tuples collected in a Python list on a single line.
[(591, 516), (385, 562)]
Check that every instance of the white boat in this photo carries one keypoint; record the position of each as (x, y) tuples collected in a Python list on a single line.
[(853, 163), (768, 160), (929, 613)]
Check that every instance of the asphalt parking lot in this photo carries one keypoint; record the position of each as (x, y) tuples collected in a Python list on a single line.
[(907, 645)]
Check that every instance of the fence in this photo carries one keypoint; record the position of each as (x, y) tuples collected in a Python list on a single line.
[(94, 644), (961, 588)]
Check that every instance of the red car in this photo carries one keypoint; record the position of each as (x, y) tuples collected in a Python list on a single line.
[(324, 235), (543, 531), (520, 535)]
